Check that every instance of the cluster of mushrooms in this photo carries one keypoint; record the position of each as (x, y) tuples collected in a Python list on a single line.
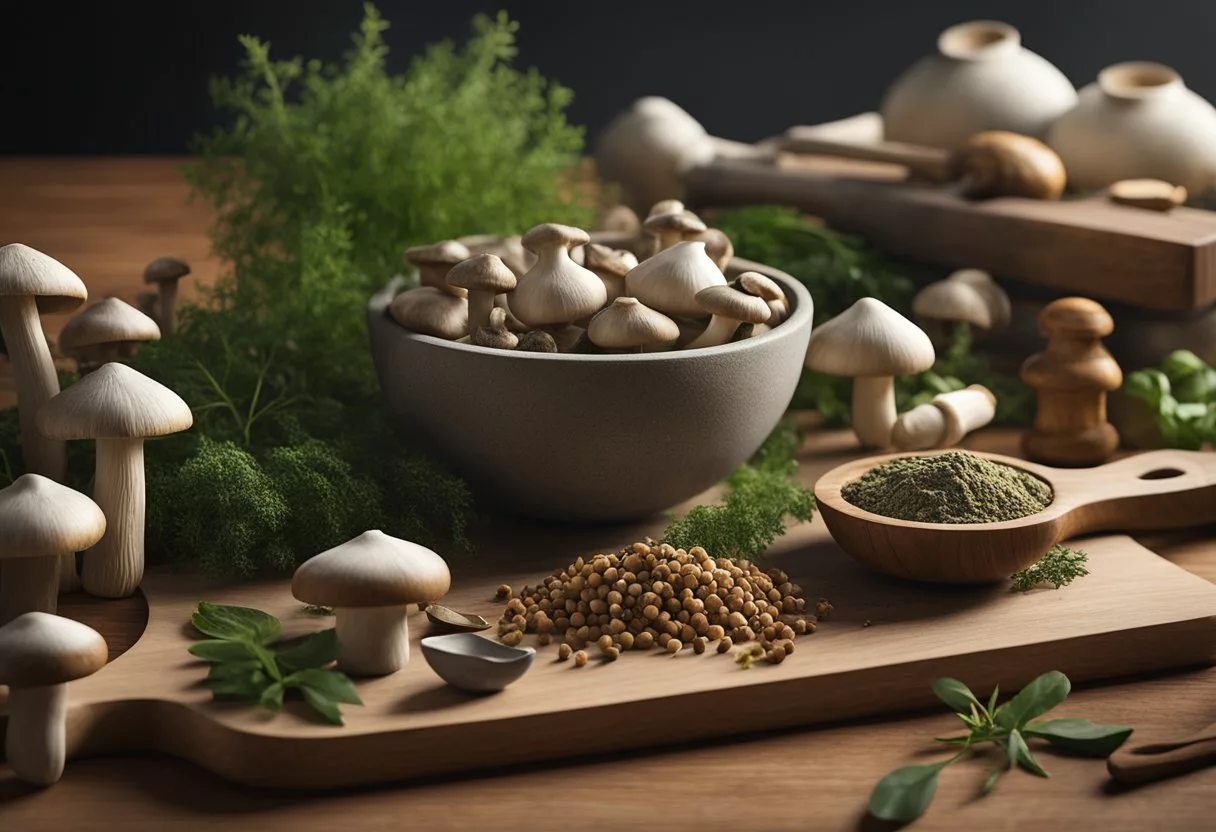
[(43, 523), (872, 343), (553, 290)]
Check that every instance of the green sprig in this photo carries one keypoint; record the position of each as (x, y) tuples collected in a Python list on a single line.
[(1059, 567)]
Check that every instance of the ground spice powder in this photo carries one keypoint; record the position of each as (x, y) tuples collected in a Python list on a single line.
[(954, 487)]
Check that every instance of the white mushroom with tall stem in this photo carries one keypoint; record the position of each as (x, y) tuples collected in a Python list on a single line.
[(120, 408), (371, 582), (670, 280), (556, 291), (968, 296), (484, 277), (628, 325), (431, 311), (435, 261), (611, 266), (42, 525), (944, 421), (39, 655), (106, 331), (165, 273), (872, 343), (674, 228), (730, 309)]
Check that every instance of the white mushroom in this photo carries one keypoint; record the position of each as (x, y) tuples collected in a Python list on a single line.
[(629, 325), (484, 277), (611, 266), (165, 272), (943, 422), (556, 291), (718, 246), (39, 655), (872, 343), (672, 228), (620, 219), (431, 311), (119, 407), (496, 336), (670, 280), (435, 261), (999, 307), (371, 582), (106, 331), (42, 523), (730, 308), (764, 287), (940, 305)]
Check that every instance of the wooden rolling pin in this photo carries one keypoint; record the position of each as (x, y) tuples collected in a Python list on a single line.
[(1146, 762)]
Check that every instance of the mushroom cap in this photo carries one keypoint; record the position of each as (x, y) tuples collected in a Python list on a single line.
[(431, 311), (372, 570), (666, 206), (166, 270), (483, 273), (670, 280), (551, 235), (620, 218), (443, 253), (760, 285), (1001, 163), (681, 222), (114, 401), (613, 261), (869, 339), (536, 341), (107, 322), (628, 323), (733, 304), (718, 246), (953, 300), (38, 650), (999, 306), (26, 272), (39, 517)]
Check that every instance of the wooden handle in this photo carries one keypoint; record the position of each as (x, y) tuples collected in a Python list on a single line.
[(926, 162), (1155, 761)]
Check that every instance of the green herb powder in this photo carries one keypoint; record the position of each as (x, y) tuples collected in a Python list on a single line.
[(953, 487)]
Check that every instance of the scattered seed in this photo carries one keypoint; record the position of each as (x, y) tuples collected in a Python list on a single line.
[(563, 652), (580, 658)]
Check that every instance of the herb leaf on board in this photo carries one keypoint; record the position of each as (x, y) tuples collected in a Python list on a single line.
[(904, 794), (1059, 567), (955, 694), (1080, 735), (1034, 700), (236, 623)]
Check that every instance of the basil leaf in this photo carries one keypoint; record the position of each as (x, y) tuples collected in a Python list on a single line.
[(1080, 735), (228, 670), (247, 686), (217, 650), (272, 696), (1034, 700), (334, 685), (267, 660), (236, 623), (316, 650), (1019, 754), (904, 794), (322, 704), (955, 694)]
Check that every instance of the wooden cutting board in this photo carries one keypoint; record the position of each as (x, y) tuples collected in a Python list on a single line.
[(885, 642)]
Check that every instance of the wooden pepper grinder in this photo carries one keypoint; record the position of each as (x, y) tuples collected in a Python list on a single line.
[(1072, 377)]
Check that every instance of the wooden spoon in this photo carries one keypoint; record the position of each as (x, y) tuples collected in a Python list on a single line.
[(1157, 760), (1155, 490)]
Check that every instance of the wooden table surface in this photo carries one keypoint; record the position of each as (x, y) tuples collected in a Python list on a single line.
[(106, 217)]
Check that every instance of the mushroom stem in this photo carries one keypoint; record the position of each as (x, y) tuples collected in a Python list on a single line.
[(167, 290), (115, 566), (37, 726), (373, 641), (718, 332), (34, 374), (873, 410), (30, 585), (480, 305)]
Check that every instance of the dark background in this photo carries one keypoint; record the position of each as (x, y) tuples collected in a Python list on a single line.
[(128, 76)]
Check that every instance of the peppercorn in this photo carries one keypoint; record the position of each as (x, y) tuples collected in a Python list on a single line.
[(580, 658), (626, 640), (504, 591), (513, 638), (775, 656), (699, 644), (543, 639), (715, 632), (644, 640), (674, 646), (725, 644), (563, 652)]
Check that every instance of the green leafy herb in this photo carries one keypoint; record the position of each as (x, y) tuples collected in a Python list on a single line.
[(1059, 567), (247, 665), (1181, 396), (904, 794), (762, 496)]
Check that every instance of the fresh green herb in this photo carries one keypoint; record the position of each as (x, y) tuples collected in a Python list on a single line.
[(317, 610), (762, 495), (1181, 395), (1059, 567), (904, 794), (246, 665)]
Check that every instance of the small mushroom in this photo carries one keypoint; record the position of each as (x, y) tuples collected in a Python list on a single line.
[(496, 335), (1149, 194), (106, 331), (165, 272), (1001, 163), (999, 306), (483, 276), (620, 219), (508, 249), (41, 523), (120, 408), (666, 206), (610, 266), (371, 582), (943, 422), (942, 304), (556, 290), (536, 341), (730, 308), (431, 311), (872, 343), (39, 655), (670, 280), (435, 261), (30, 283), (629, 325), (769, 290), (717, 245), (673, 228)]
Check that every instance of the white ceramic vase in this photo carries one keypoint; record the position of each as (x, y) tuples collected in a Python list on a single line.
[(1138, 120), (981, 79)]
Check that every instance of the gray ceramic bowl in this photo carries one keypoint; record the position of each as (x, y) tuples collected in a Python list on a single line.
[(591, 437), (470, 662)]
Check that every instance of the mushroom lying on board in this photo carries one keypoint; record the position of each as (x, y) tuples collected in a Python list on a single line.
[(730, 309), (39, 655), (106, 331), (483, 276), (943, 422), (1149, 194), (556, 291), (119, 407), (42, 525), (371, 582), (670, 280), (435, 261), (627, 325), (496, 336), (165, 272), (872, 343), (611, 266), (431, 311)]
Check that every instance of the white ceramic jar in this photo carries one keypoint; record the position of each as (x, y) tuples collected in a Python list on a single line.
[(1138, 120), (981, 79)]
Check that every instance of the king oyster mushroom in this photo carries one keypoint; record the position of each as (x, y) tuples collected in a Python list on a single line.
[(670, 280), (730, 308), (943, 422), (628, 325), (769, 290), (611, 266), (484, 277), (435, 261), (556, 291), (166, 272), (430, 311), (718, 246), (674, 228)]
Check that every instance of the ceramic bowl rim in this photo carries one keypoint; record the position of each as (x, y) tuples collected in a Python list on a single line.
[(438, 643)]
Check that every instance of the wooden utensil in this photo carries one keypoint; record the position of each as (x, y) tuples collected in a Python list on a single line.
[(1155, 490), (1150, 761), (930, 163)]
